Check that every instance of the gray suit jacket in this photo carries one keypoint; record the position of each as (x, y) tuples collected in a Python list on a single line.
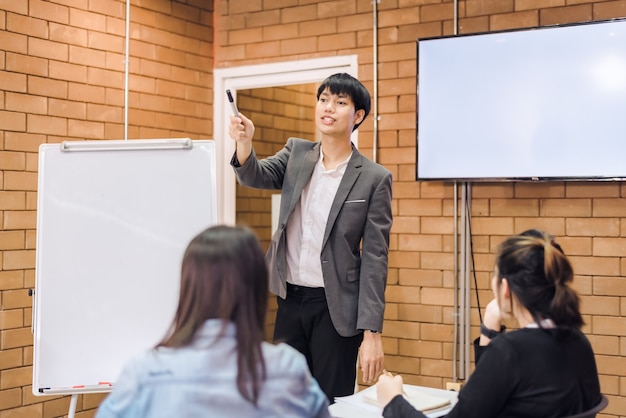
[(356, 241)]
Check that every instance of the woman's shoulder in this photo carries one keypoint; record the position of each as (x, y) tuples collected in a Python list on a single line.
[(283, 357), (536, 338)]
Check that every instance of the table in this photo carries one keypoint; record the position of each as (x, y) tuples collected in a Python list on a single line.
[(355, 406)]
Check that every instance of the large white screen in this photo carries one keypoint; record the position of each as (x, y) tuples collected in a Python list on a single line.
[(529, 104)]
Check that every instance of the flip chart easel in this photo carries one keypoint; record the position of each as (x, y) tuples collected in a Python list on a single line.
[(113, 221)]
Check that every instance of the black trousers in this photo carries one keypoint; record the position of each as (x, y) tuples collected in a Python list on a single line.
[(303, 321)]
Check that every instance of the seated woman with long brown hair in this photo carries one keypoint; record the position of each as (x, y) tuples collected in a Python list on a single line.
[(214, 361), (546, 368)]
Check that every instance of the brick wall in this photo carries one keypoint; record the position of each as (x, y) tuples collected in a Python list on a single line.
[(62, 78), (587, 218)]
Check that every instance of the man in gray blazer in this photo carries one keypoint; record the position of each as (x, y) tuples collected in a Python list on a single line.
[(328, 258)]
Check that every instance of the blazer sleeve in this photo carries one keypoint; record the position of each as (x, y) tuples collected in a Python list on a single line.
[(266, 173), (375, 257)]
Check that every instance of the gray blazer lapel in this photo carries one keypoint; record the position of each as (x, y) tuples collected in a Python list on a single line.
[(304, 175), (349, 178)]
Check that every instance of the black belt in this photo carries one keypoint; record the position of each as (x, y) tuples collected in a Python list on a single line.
[(304, 290)]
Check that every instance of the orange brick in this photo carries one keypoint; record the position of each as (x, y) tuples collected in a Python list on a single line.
[(403, 259), (106, 78), (12, 81), (473, 25), (596, 305), (603, 266), (13, 279), (298, 46), (335, 41), (13, 121), (437, 332), (422, 349), (17, 7), (436, 12), (86, 56), (10, 398), (433, 225), (85, 129), (546, 190), (108, 8), (609, 246), (68, 35), (87, 20), (397, 329), (609, 207), (609, 286), (419, 313), (27, 25), (66, 108), (437, 296), (436, 189), (115, 61), (13, 42), (10, 359), (49, 11), (489, 7), (101, 113), (26, 64), (47, 125), (609, 326), (21, 141), (609, 10), (398, 16), (243, 36), (26, 103), (566, 207), (86, 93), (11, 240), (522, 19), (105, 42), (12, 318), (593, 227), (402, 294), (17, 377), (576, 245), (517, 207), (47, 87), (593, 189), (411, 242), (604, 344), (18, 259), (48, 49), (559, 15), (12, 160), (69, 72)]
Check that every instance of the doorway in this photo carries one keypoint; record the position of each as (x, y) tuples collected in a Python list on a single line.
[(250, 78)]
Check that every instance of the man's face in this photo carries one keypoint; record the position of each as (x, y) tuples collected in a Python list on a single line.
[(335, 114)]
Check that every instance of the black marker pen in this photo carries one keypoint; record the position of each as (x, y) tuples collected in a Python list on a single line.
[(233, 106)]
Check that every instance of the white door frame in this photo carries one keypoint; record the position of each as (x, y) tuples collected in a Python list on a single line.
[(258, 76)]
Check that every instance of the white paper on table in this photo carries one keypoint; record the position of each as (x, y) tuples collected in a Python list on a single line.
[(420, 399)]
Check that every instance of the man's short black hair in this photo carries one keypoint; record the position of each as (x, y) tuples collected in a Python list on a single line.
[(344, 83)]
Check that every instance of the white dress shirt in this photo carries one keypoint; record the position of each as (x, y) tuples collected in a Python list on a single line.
[(306, 227)]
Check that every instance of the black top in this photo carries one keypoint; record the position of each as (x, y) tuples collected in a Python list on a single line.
[(527, 373)]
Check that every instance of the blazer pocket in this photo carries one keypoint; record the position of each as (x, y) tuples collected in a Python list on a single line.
[(354, 201), (353, 275)]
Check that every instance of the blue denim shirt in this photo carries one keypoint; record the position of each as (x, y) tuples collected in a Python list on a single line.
[(200, 381)]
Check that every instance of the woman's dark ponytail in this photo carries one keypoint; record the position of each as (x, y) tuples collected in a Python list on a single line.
[(539, 274)]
